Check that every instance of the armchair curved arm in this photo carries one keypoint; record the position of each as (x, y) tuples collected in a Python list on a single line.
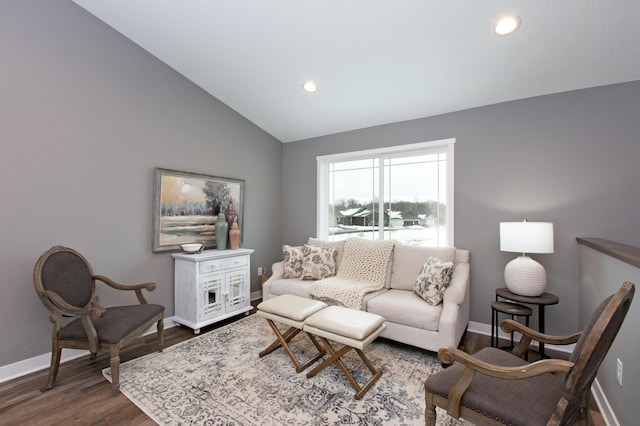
[(66, 309), (473, 365), (449, 355), (529, 334), (509, 325), (127, 287)]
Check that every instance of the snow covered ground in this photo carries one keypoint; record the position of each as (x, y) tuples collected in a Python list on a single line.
[(411, 235)]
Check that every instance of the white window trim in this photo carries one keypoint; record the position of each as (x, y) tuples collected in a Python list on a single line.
[(322, 195)]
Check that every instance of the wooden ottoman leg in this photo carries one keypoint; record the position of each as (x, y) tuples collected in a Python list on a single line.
[(335, 357), (377, 373), (283, 339), (280, 338)]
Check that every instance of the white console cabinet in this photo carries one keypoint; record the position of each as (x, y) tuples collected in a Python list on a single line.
[(211, 286)]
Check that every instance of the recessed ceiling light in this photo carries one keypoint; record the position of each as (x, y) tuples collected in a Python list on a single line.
[(507, 25), (309, 87)]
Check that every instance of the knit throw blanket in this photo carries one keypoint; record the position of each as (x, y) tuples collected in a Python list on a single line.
[(363, 270)]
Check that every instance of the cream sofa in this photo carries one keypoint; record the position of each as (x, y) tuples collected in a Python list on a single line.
[(409, 318)]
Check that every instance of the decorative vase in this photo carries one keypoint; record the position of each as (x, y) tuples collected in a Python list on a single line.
[(234, 235), (222, 231), (231, 213)]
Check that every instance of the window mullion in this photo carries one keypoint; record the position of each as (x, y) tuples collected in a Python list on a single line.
[(381, 197)]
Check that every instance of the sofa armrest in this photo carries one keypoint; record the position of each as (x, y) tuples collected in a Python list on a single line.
[(277, 273), (456, 307), (277, 270), (458, 286)]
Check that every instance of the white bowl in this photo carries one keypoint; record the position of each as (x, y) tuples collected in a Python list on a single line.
[(191, 248)]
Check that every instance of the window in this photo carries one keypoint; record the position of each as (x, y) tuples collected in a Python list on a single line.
[(404, 193)]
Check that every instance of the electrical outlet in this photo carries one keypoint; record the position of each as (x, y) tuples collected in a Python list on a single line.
[(619, 371), (259, 271)]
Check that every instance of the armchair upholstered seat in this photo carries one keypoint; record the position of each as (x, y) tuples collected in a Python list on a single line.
[(497, 387), (65, 283)]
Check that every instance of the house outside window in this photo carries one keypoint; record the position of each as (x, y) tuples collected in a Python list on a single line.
[(404, 193)]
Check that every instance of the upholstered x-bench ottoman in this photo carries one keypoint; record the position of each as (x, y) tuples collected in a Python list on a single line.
[(290, 310), (355, 330)]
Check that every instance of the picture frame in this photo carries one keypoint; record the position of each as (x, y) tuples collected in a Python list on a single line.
[(186, 206)]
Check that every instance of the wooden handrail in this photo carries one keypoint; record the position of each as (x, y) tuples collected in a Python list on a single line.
[(626, 253)]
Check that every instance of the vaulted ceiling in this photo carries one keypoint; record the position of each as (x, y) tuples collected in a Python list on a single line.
[(379, 61)]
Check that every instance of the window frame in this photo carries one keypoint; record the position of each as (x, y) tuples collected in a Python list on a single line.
[(421, 148)]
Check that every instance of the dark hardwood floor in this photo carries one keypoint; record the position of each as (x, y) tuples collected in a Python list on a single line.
[(82, 396)]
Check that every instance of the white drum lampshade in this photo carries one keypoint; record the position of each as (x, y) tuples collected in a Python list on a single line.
[(523, 275)]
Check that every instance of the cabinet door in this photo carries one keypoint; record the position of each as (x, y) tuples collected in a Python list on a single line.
[(238, 289), (211, 296)]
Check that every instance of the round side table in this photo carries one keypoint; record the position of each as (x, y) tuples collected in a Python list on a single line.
[(543, 300), (509, 308)]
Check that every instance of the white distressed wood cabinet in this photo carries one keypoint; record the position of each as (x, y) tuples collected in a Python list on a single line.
[(211, 286)]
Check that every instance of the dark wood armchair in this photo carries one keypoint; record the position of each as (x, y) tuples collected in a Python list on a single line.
[(496, 387), (65, 283)]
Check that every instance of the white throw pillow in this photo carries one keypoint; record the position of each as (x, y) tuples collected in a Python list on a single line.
[(433, 280)]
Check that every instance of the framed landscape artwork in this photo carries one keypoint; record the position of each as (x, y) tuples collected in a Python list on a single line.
[(186, 206)]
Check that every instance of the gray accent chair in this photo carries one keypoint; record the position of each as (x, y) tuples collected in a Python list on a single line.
[(65, 284), (495, 387)]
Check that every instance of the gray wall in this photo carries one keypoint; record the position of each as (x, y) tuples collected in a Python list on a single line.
[(569, 158), (601, 276), (85, 117)]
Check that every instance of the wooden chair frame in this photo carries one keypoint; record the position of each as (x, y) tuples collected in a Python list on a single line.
[(580, 375), (60, 308)]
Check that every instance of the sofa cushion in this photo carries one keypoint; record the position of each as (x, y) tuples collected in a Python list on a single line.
[(433, 280), (343, 291), (405, 307), (409, 260), (366, 260), (338, 245), (318, 262), (295, 286)]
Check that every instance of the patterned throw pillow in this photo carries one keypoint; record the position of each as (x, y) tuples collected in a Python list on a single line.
[(293, 260), (319, 262), (433, 280)]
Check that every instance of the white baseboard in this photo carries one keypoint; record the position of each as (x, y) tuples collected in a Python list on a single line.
[(41, 362), (256, 295), (602, 402)]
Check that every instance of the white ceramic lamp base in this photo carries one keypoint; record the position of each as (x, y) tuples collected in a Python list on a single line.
[(525, 276)]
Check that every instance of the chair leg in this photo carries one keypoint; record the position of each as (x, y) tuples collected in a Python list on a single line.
[(114, 361), (55, 364), (584, 409), (493, 328), (160, 329), (430, 410)]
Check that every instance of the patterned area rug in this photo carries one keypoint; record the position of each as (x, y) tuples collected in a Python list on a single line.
[(218, 379)]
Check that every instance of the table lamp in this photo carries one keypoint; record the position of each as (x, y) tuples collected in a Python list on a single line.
[(523, 275)]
